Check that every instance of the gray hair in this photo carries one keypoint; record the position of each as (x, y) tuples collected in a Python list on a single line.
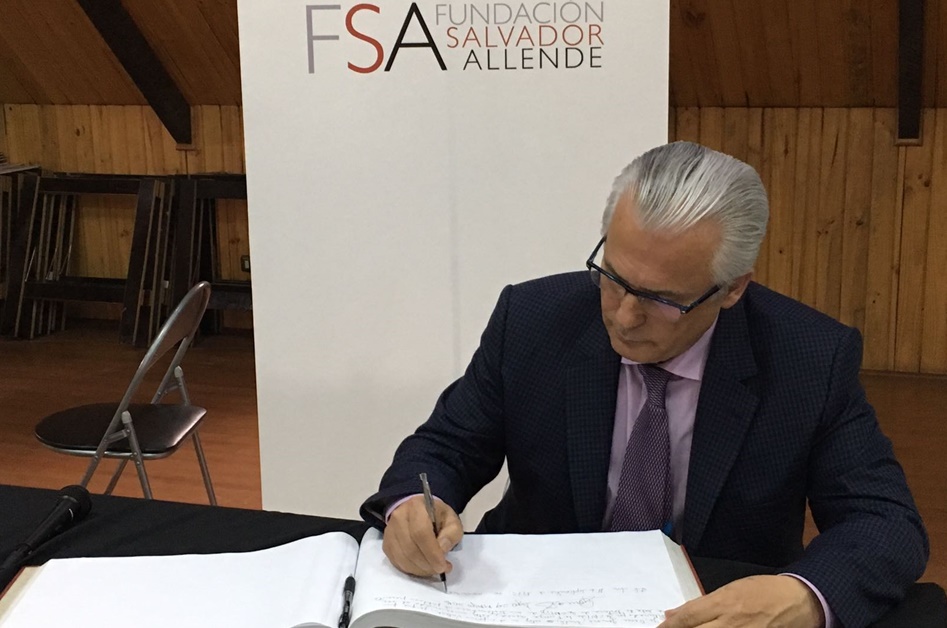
[(677, 185)]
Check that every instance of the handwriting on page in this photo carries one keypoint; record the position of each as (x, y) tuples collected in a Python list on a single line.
[(571, 607)]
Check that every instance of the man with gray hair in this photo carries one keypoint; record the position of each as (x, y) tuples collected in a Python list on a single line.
[(671, 392)]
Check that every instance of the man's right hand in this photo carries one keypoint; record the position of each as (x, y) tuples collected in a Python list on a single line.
[(410, 543)]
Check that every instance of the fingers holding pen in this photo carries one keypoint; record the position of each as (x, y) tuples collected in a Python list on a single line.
[(451, 528), (404, 538), (424, 548), (410, 543)]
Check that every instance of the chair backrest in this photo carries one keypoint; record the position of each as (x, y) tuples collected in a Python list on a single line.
[(178, 331)]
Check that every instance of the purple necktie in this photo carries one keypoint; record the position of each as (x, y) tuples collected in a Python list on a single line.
[(643, 500)]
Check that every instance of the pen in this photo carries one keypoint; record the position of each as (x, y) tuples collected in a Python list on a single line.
[(347, 592), (429, 504)]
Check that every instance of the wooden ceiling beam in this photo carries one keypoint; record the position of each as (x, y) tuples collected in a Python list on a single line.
[(910, 69), (133, 51)]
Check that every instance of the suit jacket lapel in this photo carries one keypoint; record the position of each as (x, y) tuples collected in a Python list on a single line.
[(725, 409), (591, 383)]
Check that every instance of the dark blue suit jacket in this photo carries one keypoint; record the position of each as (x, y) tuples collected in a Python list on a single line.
[(781, 418)]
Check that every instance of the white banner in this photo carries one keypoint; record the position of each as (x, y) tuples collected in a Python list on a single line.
[(405, 161)]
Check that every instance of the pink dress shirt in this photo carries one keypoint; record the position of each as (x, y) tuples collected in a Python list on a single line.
[(681, 403)]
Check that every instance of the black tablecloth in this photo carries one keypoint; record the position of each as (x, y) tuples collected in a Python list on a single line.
[(121, 526)]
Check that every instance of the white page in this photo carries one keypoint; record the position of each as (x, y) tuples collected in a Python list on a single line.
[(611, 580), (279, 587)]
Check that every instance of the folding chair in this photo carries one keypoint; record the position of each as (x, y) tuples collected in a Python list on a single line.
[(139, 431)]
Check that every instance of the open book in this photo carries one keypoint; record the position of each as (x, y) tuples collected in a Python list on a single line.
[(615, 580)]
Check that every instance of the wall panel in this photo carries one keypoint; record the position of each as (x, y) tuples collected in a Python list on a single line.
[(218, 133), (112, 139), (736, 132), (712, 127), (3, 132), (780, 156), (913, 266), (855, 217), (831, 184), (24, 134), (934, 327), (797, 53), (884, 243), (806, 203), (858, 227), (688, 124)]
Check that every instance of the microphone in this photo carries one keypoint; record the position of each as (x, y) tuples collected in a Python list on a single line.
[(74, 504)]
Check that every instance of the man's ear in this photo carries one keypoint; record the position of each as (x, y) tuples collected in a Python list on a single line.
[(736, 290)]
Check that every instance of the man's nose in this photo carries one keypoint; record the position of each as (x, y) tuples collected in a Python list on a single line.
[(630, 313)]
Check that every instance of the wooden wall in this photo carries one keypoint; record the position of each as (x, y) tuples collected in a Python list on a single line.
[(798, 53), (129, 139), (858, 226)]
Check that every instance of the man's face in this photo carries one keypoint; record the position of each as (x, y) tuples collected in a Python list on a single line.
[(674, 265)]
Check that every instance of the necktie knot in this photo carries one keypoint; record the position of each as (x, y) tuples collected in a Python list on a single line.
[(656, 382)]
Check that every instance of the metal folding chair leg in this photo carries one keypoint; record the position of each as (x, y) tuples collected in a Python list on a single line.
[(136, 453), (116, 476), (110, 437), (204, 471)]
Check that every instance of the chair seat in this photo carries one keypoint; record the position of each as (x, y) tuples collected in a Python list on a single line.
[(160, 428)]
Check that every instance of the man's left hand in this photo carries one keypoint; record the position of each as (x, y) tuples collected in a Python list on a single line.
[(754, 602)]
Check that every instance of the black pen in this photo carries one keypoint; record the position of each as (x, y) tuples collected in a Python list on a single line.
[(429, 504), (347, 592)]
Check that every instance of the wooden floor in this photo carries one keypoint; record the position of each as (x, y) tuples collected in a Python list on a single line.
[(87, 364)]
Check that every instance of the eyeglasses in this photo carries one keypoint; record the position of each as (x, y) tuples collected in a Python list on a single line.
[(651, 303)]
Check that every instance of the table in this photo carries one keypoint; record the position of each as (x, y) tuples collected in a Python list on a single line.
[(123, 526)]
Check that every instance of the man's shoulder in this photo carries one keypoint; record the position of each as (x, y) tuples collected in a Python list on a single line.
[(556, 296), (776, 319), (562, 285), (765, 302), (555, 306)]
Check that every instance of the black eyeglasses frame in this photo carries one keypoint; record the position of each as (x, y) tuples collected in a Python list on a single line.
[(641, 294)]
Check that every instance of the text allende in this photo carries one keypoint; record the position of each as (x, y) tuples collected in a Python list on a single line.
[(534, 58)]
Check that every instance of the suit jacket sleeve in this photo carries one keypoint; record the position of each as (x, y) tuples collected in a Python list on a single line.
[(460, 446), (872, 545)]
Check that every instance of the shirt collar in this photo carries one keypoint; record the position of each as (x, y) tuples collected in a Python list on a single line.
[(691, 363)]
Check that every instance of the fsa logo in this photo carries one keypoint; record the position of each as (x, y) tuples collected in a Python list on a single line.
[(316, 35)]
